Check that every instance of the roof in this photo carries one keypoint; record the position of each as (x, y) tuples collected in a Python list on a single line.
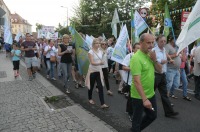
[(17, 19)]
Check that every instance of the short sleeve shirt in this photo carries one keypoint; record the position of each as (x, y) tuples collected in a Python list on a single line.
[(142, 65), (29, 44), (97, 58), (177, 60), (16, 55), (52, 52)]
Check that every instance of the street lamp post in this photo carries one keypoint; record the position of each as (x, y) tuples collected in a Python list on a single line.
[(67, 13)]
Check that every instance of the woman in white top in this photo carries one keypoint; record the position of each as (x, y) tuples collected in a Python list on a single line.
[(95, 72), (49, 51), (105, 66)]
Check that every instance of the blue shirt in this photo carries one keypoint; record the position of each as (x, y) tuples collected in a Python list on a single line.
[(16, 56)]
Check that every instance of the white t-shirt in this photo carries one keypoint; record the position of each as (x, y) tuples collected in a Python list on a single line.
[(97, 58), (109, 52), (126, 62), (50, 53)]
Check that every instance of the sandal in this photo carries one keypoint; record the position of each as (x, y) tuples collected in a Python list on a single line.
[(91, 102), (109, 93), (104, 106), (173, 96), (187, 98)]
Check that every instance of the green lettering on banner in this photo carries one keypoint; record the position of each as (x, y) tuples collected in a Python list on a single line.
[(194, 23)]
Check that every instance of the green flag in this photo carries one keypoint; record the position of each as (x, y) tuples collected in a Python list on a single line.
[(81, 53), (167, 21)]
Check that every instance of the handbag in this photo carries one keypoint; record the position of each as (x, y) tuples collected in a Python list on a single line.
[(52, 58)]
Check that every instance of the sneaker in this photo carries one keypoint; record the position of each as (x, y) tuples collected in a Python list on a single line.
[(47, 76), (130, 117), (30, 79), (172, 114), (34, 75), (67, 91), (53, 78), (76, 85)]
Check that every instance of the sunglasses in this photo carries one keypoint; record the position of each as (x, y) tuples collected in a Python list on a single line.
[(104, 44)]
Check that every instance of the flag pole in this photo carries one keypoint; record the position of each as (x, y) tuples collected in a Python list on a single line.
[(173, 35)]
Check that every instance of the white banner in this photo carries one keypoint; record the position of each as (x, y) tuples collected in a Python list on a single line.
[(190, 31), (119, 51)]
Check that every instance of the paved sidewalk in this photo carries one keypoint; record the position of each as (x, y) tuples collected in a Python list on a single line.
[(23, 110)]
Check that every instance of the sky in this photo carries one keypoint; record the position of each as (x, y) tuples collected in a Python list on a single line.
[(45, 12)]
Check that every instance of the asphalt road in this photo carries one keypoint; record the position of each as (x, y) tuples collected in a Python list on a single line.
[(188, 119)]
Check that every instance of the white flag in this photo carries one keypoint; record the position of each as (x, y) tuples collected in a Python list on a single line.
[(119, 52), (190, 31), (140, 24), (7, 33), (104, 37), (115, 20)]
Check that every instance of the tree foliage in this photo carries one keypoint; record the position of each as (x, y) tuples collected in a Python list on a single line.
[(93, 17)]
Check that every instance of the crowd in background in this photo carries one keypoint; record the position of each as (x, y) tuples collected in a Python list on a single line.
[(59, 59)]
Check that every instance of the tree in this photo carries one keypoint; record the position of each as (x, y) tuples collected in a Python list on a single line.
[(94, 16), (38, 26), (158, 6)]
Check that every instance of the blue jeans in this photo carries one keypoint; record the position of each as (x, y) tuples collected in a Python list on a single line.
[(184, 81), (139, 121), (66, 70), (50, 68), (173, 79)]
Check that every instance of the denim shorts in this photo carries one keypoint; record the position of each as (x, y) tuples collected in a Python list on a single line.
[(31, 61)]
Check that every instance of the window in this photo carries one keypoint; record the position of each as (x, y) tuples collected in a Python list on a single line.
[(15, 20)]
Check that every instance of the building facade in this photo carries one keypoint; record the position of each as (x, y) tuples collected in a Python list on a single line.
[(19, 24), (4, 17)]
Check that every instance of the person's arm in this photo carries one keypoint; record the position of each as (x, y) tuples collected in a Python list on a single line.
[(92, 60), (157, 65), (139, 88), (125, 68)]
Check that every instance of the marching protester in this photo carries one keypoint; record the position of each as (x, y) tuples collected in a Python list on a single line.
[(66, 50), (30, 59), (95, 73), (197, 72), (172, 74), (16, 54), (160, 78), (143, 99), (128, 78), (105, 66), (50, 53), (183, 75)]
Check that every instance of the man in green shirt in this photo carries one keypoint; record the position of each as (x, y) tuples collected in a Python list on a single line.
[(142, 66)]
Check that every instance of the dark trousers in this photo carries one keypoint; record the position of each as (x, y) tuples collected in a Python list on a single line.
[(111, 65), (197, 86), (95, 77), (16, 65), (129, 108), (45, 61), (105, 74), (160, 84), (139, 121)]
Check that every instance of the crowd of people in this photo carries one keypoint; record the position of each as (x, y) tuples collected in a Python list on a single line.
[(149, 65)]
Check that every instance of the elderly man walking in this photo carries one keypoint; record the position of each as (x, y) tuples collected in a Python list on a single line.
[(143, 65)]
